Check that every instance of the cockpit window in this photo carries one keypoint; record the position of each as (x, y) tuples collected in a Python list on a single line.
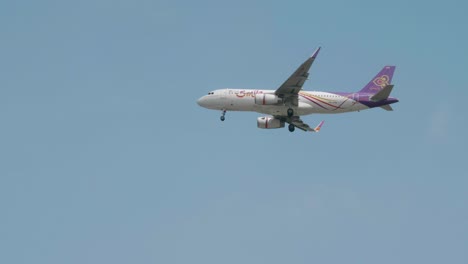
[(210, 93)]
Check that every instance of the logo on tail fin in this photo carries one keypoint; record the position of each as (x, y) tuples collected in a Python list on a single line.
[(380, 81)]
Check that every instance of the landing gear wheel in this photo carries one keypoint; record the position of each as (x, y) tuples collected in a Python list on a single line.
[(291, 127), (222, 115), (290, 112)]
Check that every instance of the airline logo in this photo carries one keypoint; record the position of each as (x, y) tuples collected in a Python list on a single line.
[(381, 81), (244, 93)]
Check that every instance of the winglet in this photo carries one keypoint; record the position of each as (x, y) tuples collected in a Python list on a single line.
[(317, 128), (314, 55)]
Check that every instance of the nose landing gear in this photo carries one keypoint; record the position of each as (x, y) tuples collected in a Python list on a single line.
[(223, 115), (291, 128), (290, 112)]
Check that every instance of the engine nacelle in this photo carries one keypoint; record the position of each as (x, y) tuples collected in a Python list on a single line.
[(266, 99), (269, 122)]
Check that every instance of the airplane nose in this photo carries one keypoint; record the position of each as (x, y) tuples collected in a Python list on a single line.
[(201, 101)]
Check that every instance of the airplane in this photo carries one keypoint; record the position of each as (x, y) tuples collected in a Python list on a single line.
[(287, 103)]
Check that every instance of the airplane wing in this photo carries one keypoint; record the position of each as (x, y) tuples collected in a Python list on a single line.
[(297, 122), (290, 88)]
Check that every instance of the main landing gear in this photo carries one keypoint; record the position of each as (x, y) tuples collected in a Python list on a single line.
[(290, 113), (223, 115)]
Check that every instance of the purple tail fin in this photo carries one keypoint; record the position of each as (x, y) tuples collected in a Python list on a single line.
[(383, 78)]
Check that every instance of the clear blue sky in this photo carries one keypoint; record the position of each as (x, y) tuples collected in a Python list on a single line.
[(106, 158)]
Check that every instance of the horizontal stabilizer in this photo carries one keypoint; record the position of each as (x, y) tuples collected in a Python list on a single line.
[(387, 107), (382, 94)]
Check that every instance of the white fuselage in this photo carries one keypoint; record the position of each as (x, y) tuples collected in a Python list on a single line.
[(310, 102)]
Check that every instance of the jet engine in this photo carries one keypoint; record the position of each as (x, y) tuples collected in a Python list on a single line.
[(266, 99), (269, 122)]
